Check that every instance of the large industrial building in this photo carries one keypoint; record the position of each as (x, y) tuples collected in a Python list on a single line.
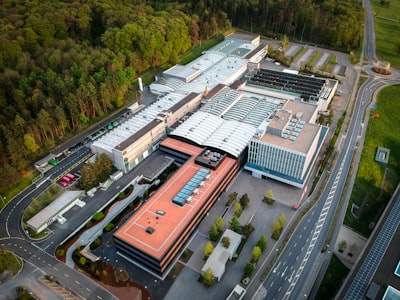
[(288, 149), (221, 112)]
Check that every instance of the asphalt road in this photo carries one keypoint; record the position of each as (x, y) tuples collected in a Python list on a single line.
[(295, 266), (14, 239)]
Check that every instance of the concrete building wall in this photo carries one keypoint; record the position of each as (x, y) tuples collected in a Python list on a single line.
[(129, 157)]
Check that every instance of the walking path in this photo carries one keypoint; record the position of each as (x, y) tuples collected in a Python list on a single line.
[(92, 233)]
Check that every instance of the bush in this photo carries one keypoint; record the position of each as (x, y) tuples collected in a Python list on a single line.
[(98, 216), (109, 227), (96, 243), (226, 241)]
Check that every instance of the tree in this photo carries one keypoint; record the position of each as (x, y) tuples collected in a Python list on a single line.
[(234, 225), (208, 277), (269, 194), (247, 229), (342, 246), (219, 223), (285, 42), (30, 143), (282, 219), (276, 230), (238, 209), (231, 198), (262, 243), (213, 233), (208, 249), (244, 200), (226, 241), (248, 269), (353, 248), (255, 254)]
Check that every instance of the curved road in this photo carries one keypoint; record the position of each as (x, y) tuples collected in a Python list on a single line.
[(15, 240), (289, 277)]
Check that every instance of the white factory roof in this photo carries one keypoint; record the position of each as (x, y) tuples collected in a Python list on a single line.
[(122, 132), (228, 120), (206, 61), (208, 130), (224, 71), (232, 137), (199, 127), (221, 101), (233, 47)]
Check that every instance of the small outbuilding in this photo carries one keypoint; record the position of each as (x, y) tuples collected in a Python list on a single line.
[(54, 211), (218, 258)]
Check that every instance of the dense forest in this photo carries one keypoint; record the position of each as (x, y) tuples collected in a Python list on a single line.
[(331, 23), (65, 64)]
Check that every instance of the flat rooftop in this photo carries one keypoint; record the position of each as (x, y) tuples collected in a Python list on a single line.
[(156, 226), (293, 119), (54, 208), (303, 141)]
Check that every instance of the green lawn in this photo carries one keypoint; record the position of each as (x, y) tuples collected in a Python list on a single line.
[(332, 280), (387, 31), (383, 132), (10, 262), (25, 182)]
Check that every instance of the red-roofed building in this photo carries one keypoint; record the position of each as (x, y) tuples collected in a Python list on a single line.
[(155, 235)]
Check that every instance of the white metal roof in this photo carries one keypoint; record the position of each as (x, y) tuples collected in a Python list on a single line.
[(232, 137), (53, 208), (225, 71), (199, 127), (137, 122), (221, 101), (206, 61)]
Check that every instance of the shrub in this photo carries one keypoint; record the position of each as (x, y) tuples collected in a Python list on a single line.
[(109, 227), (226, 241), (98, 216)]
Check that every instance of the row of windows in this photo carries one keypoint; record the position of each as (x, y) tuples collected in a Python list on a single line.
[(276, 159)]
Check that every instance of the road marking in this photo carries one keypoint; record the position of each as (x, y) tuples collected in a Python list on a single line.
[(66, 275), (88, 289), (77, 282), (55, 268), (99, 297)]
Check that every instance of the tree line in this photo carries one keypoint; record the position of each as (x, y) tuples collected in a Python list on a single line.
[(333, 23), (65, 65)]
